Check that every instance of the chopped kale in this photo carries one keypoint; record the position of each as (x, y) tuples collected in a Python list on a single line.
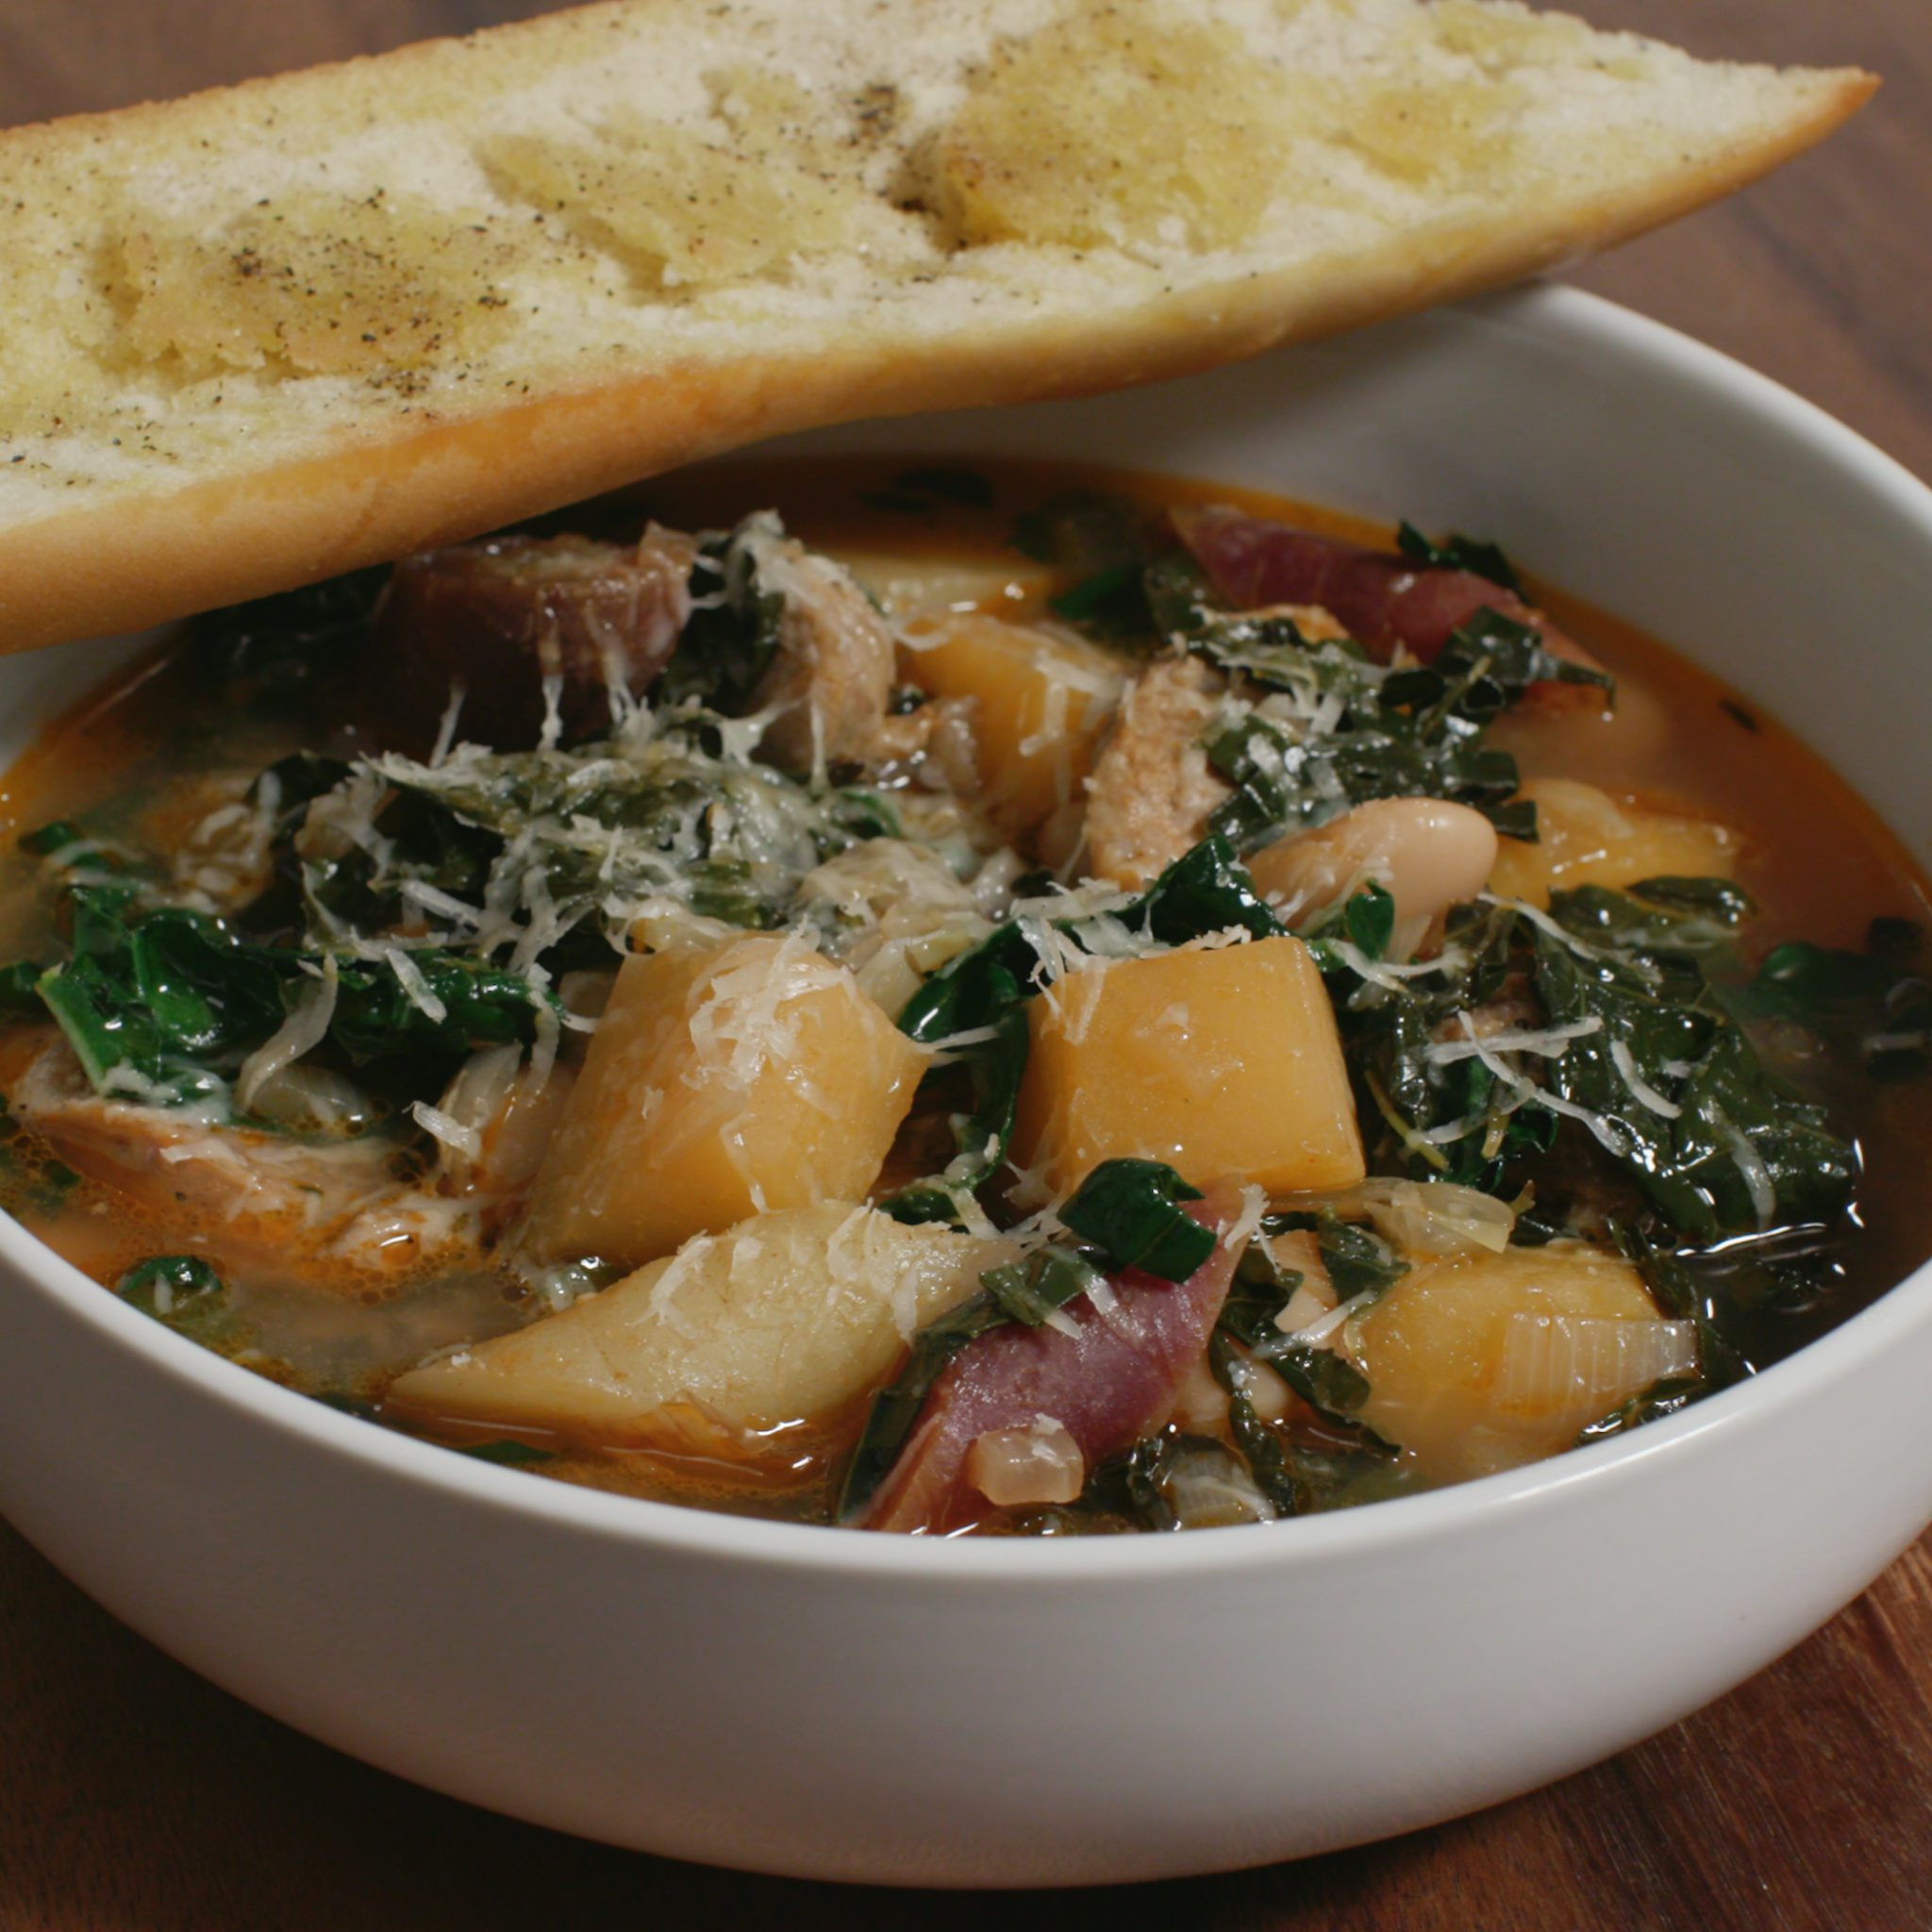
[(1154, 1486), (1328, 1383), (1601, 1052), (1130, 1209), (273, 650), (981, 1134), (1667, 1397), (733, 633), (1131, 1488), (1109, 601), (1478, 559), (165, 1004), (1876, 1004), (1667, 1082), (506, 1455), (1032, 1289), (182, 1291), (1297, 1474), (1623, 994), (1335, 730), (55, 837), (566, 840), (1332, 1386), (1365, 920), (1204, 890), (1099, 543)]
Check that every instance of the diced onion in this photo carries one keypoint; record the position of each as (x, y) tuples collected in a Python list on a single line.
[(1039, 1463), (1572, 1369)]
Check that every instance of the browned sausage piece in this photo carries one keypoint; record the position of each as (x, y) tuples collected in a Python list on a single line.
[(497, 617)]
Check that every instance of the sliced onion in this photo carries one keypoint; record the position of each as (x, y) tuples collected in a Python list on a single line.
[(313, 1100), (305, 1029), (1575, 1368), (1209, 1489), (1438, 1217), (1420, 1217)]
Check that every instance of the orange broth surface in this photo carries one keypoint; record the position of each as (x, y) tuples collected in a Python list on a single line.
[(142, 753)]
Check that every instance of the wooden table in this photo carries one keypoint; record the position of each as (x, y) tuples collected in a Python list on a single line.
[(135, 1798)]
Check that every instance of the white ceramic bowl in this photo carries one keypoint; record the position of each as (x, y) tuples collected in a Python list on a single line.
[(831, 1704)]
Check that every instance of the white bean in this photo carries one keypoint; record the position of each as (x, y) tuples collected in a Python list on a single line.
[(1426, 854)]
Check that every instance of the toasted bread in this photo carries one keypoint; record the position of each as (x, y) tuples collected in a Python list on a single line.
[(275, 332)]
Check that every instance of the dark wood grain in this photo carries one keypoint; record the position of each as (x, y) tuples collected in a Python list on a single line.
[(135, 1798)]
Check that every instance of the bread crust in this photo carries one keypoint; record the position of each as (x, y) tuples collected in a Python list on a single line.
[(369, 495)]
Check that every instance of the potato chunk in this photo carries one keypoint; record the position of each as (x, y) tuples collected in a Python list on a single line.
[(1587, 838), (782, 1319), (723, 1079), (1223, 1062), (1487, 1361), (1042, 698)]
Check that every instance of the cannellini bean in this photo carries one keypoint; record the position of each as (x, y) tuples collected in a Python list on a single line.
[(1426, 854), (1201, 1402), (1269, 1396), (1039, 1463)]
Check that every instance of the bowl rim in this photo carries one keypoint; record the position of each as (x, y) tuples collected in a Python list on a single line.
[(1555, 313)]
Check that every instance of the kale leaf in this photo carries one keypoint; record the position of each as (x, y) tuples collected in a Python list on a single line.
[(1877, 1004), (1340, 731), (1130, 1209), (165, 1004), (1628, 1001), (1469, 554), (181, 1292), (732, 635)]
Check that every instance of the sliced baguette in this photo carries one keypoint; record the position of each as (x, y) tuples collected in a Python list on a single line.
[(280, 330)]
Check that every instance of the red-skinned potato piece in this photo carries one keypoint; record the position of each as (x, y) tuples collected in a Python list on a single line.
[(499, 616), (1380, 598), (1110, 1381)]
